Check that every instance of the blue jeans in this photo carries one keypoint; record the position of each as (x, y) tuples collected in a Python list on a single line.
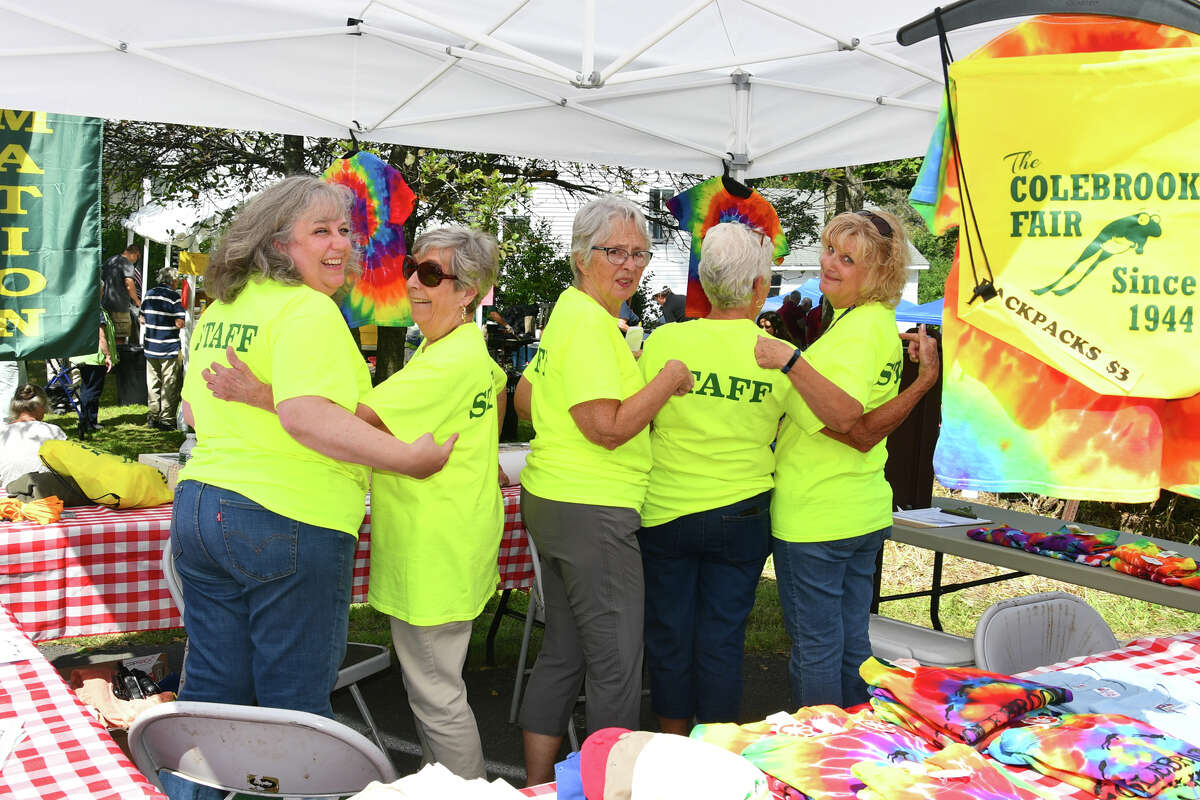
[(701, 571), (825, 589), (267, 601)]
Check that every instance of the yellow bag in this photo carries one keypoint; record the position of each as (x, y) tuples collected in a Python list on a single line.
[(105, 478), (1084, 178)]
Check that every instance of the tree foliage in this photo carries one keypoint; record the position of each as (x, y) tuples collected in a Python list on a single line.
[(535, 266)]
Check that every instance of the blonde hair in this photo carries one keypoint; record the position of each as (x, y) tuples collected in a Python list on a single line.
[(886, 258), (248, 249)]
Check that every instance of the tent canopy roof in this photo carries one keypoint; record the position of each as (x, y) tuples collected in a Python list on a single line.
[(673, 84)]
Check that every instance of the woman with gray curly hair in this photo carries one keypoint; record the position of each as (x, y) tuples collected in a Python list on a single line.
[(268, 508), (584, 483), (434, 542)]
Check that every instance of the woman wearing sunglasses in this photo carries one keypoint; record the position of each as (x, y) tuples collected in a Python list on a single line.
[(584, 483), (434, 542), (268, 508), (832, 507)]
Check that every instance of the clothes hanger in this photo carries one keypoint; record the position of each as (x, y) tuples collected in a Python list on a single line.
[(731, 184)]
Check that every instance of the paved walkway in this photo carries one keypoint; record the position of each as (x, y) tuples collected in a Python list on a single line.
[(490, 693)]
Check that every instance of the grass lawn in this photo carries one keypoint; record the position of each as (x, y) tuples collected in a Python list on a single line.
[(906, 569)]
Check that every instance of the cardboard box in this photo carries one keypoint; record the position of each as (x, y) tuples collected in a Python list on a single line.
[(154, 665), (166, 463)]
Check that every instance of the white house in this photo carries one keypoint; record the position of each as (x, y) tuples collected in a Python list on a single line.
[(670, 263)]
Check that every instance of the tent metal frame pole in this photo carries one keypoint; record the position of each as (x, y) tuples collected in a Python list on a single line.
[(653, 39), (740, 158), (444, 68), (587, 58), (438, 49), (724, 63), (563, 102), (882, 100), (438, 21), (834, 123), (852, 43), (532, 106)]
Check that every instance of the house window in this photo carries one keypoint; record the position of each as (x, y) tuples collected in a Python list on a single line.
[(658, 208), (512, 224)]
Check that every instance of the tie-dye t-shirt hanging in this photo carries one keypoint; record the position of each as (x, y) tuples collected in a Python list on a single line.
[(1011, 423), (708, 204), (382, 202)]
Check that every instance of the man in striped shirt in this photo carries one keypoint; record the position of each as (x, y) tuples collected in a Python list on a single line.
[(162, 317)]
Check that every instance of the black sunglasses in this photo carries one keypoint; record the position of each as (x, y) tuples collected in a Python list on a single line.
[(429, 273), (879, 222)]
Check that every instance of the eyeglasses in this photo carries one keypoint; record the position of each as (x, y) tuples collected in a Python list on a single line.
[(879, 222), (619, 255), (429, 273)]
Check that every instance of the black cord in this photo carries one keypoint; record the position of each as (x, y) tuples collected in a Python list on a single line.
[(986, 289)]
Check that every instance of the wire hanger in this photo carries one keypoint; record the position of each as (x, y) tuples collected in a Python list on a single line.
[(353, 143), (731, 184)]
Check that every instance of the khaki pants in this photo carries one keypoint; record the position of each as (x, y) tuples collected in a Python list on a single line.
[(164, 381), (431, 658)]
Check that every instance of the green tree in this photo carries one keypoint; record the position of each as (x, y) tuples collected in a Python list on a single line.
[(535, 266)]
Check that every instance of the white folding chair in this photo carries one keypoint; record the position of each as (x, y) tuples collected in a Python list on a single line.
[(1038, 630), (361, 660), (536, 609), (250, 750)]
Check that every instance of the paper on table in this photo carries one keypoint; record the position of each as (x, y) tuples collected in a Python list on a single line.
[(935, 518), (12, 646), (11, 732)]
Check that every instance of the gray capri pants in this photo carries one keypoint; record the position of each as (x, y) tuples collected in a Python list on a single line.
[(592, 582)]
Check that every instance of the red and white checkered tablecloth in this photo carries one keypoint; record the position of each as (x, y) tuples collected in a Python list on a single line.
[(1168, 655), (67, 753), (99, 571)]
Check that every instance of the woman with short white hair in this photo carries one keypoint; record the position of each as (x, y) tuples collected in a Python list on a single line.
[(706, 520)]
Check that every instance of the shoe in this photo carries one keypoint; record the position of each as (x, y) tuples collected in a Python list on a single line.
[(162, 426)]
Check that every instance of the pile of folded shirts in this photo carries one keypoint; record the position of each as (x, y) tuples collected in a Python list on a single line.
[(1144, 559), (1068, 543)]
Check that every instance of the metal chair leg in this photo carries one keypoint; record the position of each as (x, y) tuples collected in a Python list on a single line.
[(366, 715)]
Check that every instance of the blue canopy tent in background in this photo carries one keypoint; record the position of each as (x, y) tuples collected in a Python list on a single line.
[(928, 313)]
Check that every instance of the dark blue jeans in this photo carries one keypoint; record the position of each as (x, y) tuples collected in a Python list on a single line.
[(701, 571), (825, 589), (267, 601)]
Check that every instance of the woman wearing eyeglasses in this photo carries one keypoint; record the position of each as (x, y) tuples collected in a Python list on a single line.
[(584, 483), (268, 508), (832, 507)]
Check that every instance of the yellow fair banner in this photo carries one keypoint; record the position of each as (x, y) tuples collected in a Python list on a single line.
[(1084, 178)]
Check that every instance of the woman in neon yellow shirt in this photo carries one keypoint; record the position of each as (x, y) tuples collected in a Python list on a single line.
[(268, 508), (832, 507), (706, 520), (434, 542), (584, 482)]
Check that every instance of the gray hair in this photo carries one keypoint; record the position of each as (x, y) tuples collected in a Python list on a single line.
[(595, 221), (248, 249), (29, 399), (731, 258), (474, 257), (167, 276)]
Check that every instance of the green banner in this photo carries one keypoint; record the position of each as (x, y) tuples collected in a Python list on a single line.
[(49, 234)]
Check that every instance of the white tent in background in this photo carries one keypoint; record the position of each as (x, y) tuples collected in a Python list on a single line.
[(178, 224), (783, 85)]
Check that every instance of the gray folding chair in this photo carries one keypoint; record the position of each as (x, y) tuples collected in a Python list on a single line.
[(1038, 630), (250, 750), (361, 661)]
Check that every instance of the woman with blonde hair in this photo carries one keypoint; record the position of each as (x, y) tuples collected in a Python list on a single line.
[(832, 507)]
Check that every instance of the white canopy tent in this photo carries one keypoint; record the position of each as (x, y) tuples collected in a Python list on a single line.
[(783, 85)]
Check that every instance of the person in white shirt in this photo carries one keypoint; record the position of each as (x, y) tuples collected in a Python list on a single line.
[(20, 441)]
